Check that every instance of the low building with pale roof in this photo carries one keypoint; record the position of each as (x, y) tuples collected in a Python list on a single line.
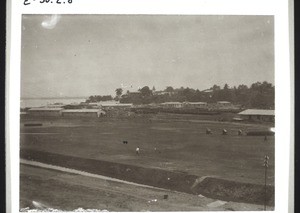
[(108, 106), (258, 115), (195, 105), (83, 113), (172, 105)]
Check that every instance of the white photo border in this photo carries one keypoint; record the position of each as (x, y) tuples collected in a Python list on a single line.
[(283, 77)]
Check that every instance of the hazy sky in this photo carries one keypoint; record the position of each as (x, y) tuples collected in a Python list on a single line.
[(82, 55)]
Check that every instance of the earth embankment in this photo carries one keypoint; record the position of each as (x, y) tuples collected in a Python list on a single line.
[(176, 181)]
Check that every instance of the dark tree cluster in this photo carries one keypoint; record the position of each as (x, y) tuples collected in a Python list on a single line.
[(260, 95), (97, 98)]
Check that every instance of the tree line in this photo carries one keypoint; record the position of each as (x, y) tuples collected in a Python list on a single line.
[(260, 95)]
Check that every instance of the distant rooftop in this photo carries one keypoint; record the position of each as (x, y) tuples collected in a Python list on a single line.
[(172, 103), (45, 109), (114, 104), (56, 105), (207, 90), (196, 103), (223, 102), (82, 110), (257, 112)]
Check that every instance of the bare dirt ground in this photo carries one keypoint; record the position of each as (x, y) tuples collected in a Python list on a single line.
[(66, 191)]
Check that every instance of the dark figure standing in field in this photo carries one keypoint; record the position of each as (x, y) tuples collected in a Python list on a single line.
[(265, 139), (240, 132), (224, 132), (125, 142), (208, 131)]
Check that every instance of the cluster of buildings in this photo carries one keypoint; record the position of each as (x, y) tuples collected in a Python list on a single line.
[(220, 105), (57, 112), (111, 109), (199, 105), (77, 110)]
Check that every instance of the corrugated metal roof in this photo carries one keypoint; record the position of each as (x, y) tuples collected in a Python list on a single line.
[(45, 109), (257, 112)]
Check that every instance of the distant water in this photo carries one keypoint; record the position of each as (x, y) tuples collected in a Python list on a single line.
[(38, 102)]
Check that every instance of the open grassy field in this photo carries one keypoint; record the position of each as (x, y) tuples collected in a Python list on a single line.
[(169, 142), (171, 145)]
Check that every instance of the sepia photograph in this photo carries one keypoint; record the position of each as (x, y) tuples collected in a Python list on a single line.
[(134, 113)]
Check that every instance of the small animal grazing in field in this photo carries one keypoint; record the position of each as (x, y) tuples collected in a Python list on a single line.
[(240, 132), (125, 142), (224, 132), (137, 150), (208, 131)]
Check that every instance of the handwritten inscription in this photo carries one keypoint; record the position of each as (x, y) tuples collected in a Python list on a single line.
[(28, 2)]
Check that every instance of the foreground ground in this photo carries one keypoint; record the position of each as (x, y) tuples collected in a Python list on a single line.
[(71, 191), (169, 142)]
